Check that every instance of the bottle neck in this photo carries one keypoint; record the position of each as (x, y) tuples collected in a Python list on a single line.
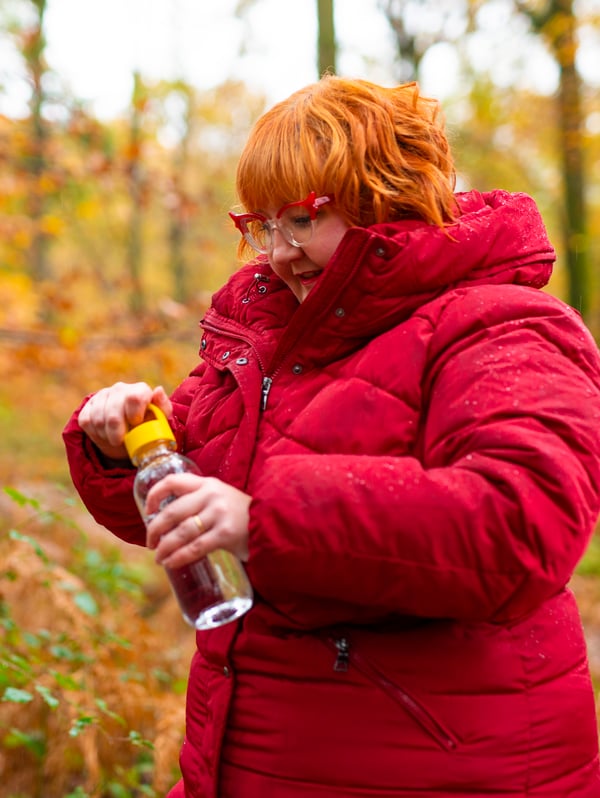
[(151, 450)]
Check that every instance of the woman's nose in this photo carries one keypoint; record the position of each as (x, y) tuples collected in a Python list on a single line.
[(281, 249)]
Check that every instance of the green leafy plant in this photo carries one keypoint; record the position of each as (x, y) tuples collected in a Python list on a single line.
[(85, 677)]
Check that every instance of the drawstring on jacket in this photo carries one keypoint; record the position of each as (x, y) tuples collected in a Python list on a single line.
[(256, 286)]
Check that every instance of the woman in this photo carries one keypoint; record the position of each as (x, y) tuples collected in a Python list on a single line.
[(398, 432)]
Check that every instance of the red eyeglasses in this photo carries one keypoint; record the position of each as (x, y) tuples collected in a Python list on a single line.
[(296, 221)]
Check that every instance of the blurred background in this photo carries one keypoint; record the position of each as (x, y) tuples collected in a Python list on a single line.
[(120, 128)]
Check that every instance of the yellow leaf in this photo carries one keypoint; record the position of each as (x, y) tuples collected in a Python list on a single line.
[(46, 183), (51, 225), (88, 209), (22, 238), (18, 302), (69, 337)]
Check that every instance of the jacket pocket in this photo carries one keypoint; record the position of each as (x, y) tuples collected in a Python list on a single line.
[(347, 655)]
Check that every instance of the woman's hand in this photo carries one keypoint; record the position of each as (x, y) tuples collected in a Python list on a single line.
[(207, 514), (109, 414)]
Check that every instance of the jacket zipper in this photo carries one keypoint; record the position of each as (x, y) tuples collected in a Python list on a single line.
[(345, 656), (266, 387), (266, 381), (342, 660)]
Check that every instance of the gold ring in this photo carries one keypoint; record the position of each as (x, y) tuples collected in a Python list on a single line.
[(198, 521)]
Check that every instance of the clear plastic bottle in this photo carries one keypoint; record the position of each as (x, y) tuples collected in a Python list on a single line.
[(214, 590)]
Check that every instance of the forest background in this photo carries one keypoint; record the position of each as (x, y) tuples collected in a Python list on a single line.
[(113, 235)]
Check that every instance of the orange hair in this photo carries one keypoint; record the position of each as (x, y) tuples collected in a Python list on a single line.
[(382, 152)]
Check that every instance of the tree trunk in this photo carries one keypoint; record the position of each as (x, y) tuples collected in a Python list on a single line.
[(136, 190), (410, 46), (326, 44), (178, 205), (34, 56), (571, 145), (557, 24)]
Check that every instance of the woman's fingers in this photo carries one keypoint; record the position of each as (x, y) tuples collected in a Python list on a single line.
[(206, 514), (161, 400), (171, 500), (111, 412), (185, 544)]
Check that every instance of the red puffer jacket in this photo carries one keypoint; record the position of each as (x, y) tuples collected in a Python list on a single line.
[(421, 441)]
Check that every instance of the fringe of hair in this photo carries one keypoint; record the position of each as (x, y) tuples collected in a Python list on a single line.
[(382, 152)]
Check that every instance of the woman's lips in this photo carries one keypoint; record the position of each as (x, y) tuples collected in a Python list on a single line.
[(309, 277)]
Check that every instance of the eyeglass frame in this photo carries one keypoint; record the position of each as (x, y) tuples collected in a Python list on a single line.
[(312, 203)]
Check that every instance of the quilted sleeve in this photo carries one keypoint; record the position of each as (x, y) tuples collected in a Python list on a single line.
[(489, 514), (108, 492)]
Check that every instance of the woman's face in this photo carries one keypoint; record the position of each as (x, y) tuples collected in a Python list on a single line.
[(301, 267)]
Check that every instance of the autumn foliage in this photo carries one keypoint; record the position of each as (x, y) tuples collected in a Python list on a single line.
[(94, 658), (113, 236), (94, 654)]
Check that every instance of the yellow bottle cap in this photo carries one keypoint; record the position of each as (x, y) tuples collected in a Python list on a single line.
[(157, 429)]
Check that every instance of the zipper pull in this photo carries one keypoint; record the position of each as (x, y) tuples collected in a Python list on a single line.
[(343, 656), (266, 387)]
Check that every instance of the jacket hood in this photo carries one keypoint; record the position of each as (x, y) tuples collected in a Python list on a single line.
[(498, 238), (380, 275)]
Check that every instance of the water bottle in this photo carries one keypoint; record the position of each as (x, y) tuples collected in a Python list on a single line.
[(214, 590)]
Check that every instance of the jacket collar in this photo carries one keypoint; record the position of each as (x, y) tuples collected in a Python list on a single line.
[(380, 275)]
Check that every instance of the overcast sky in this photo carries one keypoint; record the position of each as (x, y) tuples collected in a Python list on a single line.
[(97, 45)]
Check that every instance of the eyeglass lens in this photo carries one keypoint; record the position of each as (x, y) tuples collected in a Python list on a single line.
[(294, 224)]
